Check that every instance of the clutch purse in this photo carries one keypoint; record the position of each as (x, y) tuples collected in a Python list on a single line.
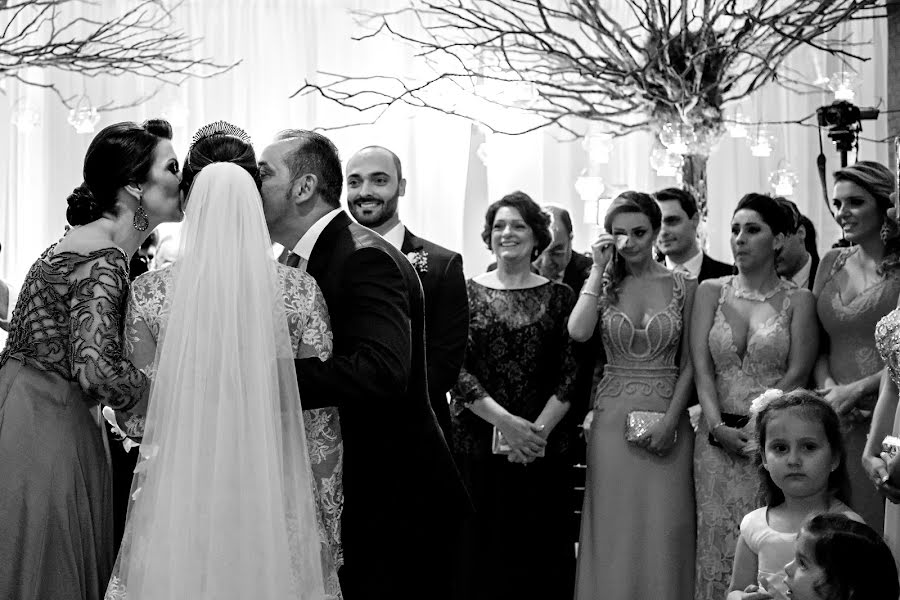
[(639, 422), (499, 445)]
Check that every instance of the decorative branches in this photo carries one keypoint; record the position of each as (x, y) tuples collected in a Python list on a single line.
[(140, 41), (663, 62)]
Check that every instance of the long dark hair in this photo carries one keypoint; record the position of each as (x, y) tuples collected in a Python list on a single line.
[(810, 406), (120, 154), (856, 562), (626, 202)]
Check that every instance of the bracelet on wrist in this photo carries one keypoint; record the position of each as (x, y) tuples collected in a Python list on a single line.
[(713, 429), (589, 293)]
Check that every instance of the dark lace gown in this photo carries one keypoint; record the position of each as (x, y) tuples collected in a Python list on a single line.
[(62, 359), (519, 353)]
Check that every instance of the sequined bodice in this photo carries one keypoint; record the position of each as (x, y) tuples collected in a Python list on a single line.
[(68, 320), (655, 345), (852, 353), (747, 365), (887, 340)]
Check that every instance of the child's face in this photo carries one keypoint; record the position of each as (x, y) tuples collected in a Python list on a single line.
[(797, 454), (802, 573)]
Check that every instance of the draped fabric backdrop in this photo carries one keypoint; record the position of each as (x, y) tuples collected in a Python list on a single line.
[(281, 42)]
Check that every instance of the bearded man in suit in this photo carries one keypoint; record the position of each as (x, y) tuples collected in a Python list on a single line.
[(403, 496), (375, 184)]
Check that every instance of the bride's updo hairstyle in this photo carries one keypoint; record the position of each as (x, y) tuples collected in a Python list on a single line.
[(219, 142), (120, 154)]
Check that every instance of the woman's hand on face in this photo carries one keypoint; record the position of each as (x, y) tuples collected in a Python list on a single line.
[(523, 436), (602, 250)]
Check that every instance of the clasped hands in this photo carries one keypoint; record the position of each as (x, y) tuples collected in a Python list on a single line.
[(527, 440), (884, 471)]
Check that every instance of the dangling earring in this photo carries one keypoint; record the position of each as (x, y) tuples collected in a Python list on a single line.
[(140, 221)]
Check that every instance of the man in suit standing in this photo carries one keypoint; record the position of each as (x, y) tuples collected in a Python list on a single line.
[(677, 240), (795, 261), (375, 184), (402, 493), (558, 262)]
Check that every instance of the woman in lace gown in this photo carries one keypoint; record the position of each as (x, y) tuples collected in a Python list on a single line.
[(637, 523), (750, 332), (855, 287), (64, 357), (230, 552), (517, 380)]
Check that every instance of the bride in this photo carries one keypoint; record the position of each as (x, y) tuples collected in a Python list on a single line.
[(225, 502)]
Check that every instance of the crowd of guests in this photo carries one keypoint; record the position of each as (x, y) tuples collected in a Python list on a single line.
[(658, 490), (789, 364)]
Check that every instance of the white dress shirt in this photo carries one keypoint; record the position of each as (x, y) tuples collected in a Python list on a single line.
[(395, 235), (691, 266), (801, 277), (306, 244)]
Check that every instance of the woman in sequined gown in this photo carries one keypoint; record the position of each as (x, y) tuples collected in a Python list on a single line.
[(855, 287), (750, 332), (64, 358), (637, 523), (517, 379)]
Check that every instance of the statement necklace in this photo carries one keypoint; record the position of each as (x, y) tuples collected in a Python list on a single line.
[(756, 296)]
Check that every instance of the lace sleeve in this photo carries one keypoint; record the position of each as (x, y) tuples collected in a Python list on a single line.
[(98, 292), (316, 338)]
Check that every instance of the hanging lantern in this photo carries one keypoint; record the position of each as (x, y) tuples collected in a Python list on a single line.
[(677, 137), (783, 181), (842, 84), (761, 143), (665, 163), (737, 124), (24, 116), (598, 144), (84, 117)]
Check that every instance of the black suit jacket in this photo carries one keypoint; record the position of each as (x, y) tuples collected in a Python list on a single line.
[(587, 354), (813, 267), (401, 487), (710, 268), (446, 320)]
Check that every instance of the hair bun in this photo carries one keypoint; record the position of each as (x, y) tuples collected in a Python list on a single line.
[(83, 207)]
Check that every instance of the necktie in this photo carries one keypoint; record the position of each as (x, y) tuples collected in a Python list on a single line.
[(292, 260)]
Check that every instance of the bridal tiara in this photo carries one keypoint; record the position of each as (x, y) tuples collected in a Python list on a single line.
[(220, 128)]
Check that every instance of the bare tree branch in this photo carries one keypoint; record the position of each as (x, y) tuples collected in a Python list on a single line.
[(564, 59), (143, 40)]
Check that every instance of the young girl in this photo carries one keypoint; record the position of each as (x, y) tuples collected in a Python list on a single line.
[(837, 558), (801, 463)]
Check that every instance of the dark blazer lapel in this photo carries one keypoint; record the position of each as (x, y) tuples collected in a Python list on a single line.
[(318, 258), (410, 242)]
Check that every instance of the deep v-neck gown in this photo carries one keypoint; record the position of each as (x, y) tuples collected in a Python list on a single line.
[(727, 486), (852, 355), (637, 527)]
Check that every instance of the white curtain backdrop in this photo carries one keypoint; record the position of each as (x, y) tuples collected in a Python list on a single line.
[(281, 42)]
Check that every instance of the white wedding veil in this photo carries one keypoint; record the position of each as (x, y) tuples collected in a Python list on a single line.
[(222, 503)]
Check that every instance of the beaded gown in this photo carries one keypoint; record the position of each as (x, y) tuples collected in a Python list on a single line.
[(887, 339), (62, 359), (746, 364), (637, 527), (852, 355)]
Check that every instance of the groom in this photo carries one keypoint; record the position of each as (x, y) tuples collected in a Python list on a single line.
[(403, 498)]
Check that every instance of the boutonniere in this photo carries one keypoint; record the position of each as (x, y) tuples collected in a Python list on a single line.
[(418, 259)]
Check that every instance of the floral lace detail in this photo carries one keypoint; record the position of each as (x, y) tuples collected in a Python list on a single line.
[(311, 336), (68, 319), (887, 339), (115, 590), (518, 353)]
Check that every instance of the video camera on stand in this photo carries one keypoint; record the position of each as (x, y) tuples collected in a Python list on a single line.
[(844, 121)]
